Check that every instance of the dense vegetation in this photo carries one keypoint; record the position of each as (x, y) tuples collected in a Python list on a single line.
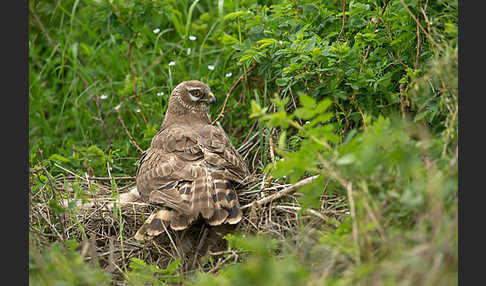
[(362, 93)]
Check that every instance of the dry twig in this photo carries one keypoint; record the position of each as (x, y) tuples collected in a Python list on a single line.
[(418, 24), (281, 193), (221, 114), (134, 143), (344, 20)]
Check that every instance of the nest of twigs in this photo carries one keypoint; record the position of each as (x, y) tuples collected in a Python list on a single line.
[(106, 230)]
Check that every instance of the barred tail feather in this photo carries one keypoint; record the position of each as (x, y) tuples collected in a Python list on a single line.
[(235, 212), (201, 199), (218, 217), (154, 224), (181, 222), (214, 198)]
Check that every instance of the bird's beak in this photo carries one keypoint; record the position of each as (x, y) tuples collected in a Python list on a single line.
[(212, 98)]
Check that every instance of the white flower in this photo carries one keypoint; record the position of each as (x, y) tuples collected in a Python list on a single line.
[(228, 74), (156, 31), (376, 31), (307, 122), (347, 213), (188, 51), (192, 38), (210, 67), (172, 63), (118, 106), (160, 93), (104, 96), (137, 110)]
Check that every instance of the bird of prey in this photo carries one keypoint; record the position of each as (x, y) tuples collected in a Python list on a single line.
[(191, 169)]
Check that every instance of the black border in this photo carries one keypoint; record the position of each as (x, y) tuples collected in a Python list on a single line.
[(15, 141), (471, 78)]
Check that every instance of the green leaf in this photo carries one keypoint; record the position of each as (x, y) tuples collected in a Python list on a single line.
[(245, 57), (307, 101), (257, 110), (266, 42), (346, 159), (57, 157), (420, 116), (55, 207), (282, 140), (304, 113), (234, 15), (323, 105), (311, 193), (228, 40), (282, 81), (139, 42), (172, 267), (323, 118)]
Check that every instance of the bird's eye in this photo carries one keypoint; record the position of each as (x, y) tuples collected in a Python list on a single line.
[(195, 94)]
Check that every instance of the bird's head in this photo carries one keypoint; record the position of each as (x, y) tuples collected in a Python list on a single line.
[(193, 95)]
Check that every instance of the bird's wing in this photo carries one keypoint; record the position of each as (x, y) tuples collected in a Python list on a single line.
[(189, 170), (172, 156), (220, 153)]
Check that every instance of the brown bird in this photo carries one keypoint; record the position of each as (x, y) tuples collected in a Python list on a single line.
[(191, 169)]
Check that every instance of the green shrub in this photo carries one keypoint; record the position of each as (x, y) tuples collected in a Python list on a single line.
[(363, 97)]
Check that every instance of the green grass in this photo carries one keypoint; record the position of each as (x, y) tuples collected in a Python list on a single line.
[(385, 137)]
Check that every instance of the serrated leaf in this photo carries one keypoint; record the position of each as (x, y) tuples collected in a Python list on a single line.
[(323, 105), (307, 101), (322, 118), (304, 113), (257, 110), (277, 119)]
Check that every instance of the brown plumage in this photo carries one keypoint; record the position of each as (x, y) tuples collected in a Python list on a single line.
[(191, 168)]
